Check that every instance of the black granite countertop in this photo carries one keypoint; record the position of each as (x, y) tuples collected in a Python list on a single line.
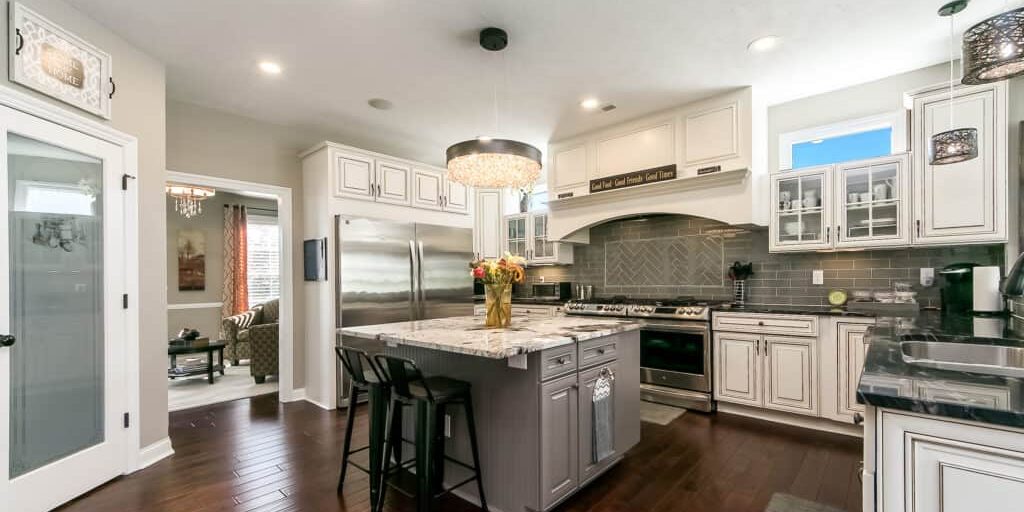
[(890, 381), (792, 310)]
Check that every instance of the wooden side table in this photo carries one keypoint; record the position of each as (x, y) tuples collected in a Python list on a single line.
[(197, 346)]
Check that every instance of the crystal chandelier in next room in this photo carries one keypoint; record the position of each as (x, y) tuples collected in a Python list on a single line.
[(188, 198)]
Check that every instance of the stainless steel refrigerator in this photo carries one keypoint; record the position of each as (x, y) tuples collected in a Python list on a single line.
[(396, 271)]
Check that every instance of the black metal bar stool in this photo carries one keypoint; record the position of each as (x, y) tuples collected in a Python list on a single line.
[(365, 376), (431, 396)]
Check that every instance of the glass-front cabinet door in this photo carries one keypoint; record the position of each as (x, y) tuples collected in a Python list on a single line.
[(872, 202), (516, 238), (542, 249), (801, 210)]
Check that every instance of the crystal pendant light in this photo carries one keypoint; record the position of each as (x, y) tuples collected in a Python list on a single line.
[(188, 199), (493, 163), (993, 49), (957, 144)]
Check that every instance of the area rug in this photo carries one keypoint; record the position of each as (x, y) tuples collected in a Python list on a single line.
[(234, 384), (782, 502), (658, 413)]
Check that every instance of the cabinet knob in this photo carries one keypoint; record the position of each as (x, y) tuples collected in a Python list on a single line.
[(561, 360), (7, 340), (857, 418), (760, 323), (601, 351)]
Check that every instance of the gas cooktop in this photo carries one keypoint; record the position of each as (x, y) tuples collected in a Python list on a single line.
[(679, 308)]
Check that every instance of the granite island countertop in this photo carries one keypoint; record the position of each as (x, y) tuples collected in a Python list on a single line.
[(889, 381), (467, 334)]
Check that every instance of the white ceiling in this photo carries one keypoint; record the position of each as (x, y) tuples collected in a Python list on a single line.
[(642, 55)]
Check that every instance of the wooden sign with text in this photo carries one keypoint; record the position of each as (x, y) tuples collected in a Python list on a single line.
[(632, 179)]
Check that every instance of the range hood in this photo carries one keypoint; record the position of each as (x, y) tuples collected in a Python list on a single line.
[(725, 196)]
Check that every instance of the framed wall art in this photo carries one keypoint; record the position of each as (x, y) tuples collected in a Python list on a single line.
[(45, 57), (191, 260)]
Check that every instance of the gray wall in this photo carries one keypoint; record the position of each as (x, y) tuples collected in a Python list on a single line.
[(138, 109), (671, 255), (211, 222)]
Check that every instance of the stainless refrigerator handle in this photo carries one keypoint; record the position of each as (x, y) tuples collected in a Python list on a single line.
[(414, 272), (422, 299), (337, 270)]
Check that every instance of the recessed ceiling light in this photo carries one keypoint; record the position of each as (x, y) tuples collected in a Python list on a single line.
[(590, 103), (270, 68), (763, 44), (380, 104)]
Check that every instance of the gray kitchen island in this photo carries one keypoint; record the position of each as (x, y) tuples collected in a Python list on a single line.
[(532, 386)]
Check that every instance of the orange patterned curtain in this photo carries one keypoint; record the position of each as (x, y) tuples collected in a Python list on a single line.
[(236, 283)]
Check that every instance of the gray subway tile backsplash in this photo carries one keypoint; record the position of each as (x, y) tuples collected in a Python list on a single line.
[(672, 255)]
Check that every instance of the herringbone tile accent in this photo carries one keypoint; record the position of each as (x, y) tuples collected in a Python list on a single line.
[(675, 261)]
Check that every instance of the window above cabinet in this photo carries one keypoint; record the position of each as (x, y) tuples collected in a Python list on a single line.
[(845, 141)]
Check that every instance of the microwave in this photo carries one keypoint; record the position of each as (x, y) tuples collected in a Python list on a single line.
[(559, 290)]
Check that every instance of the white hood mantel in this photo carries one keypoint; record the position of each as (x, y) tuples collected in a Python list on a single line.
[(724, 196)]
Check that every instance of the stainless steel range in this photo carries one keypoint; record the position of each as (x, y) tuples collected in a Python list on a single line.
[(675, 345)]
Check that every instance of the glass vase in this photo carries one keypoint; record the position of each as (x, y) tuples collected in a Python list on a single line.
[(498, 302)]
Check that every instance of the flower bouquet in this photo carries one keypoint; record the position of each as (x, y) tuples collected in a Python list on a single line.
[(497, 276)]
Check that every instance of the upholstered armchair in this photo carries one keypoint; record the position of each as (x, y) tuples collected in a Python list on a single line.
[(253, 335)]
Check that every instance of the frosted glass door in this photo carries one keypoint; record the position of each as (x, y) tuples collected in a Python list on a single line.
[(63, 371)]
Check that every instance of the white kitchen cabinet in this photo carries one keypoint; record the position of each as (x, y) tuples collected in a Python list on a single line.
[(432, 190), (860, 204), (354, 176), (965, 202), (918, 463), (872, 203), (393, 180), (851, 351), (487, 223), (526, 235), (427, 186), (801, 210), (456, 197), (738, 368), (791, 374)]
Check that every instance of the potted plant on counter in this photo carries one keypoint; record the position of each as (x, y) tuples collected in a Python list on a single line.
[(498, 275)]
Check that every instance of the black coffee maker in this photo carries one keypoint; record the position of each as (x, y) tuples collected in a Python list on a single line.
[(958, 288)]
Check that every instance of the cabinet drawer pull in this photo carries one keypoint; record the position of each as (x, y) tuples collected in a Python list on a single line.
[(562, 360), (760, 323), (601, 351)]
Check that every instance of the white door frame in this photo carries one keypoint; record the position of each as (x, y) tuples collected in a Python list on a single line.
[(129, 145), (286, 342)]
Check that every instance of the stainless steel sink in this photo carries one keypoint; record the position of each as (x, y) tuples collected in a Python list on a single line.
[(991, 359)]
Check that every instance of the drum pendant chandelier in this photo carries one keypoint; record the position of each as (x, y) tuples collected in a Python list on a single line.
[(993, 49), (493, 163), (956, 144)]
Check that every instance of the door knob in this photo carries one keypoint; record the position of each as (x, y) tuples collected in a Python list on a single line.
[(7, 340)]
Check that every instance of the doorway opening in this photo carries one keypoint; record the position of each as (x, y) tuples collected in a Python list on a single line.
[(229, 290)]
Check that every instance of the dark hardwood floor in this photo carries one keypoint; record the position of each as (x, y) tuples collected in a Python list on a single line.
[(261, 456)]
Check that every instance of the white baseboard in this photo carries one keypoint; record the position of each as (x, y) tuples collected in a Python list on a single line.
[(155, 453), (792, 419), (319, 404), (297, 394)]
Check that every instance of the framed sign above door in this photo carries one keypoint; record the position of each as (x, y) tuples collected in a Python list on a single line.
[(55, 62)]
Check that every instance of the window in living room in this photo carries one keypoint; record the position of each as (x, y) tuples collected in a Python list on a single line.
[(263, 258)]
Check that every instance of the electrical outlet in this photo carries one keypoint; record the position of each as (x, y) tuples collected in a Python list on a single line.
[(817, 277), (448, 425), (927, 276)]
